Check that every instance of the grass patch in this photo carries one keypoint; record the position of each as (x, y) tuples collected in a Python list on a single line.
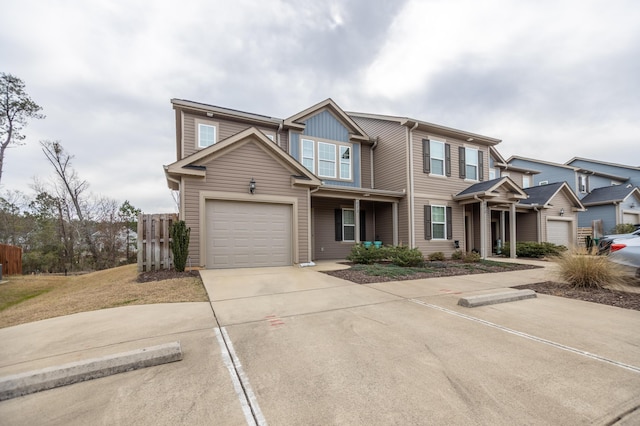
[(389, 271), (30, 298)]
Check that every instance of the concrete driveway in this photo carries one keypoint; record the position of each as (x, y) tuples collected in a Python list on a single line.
[(318, 350), (295, 346)]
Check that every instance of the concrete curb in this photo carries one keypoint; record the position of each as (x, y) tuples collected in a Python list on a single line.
[(52, 377), (492, 299)]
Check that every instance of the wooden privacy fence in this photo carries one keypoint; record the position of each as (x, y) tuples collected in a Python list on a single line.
[(154, 251), (11, 259)]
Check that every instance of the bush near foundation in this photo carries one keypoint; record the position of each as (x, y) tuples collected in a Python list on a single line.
[(405, 256), (398, 255), (533, 249), (436, 256), (367, 255)]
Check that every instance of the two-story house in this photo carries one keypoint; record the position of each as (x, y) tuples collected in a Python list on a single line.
[(608, 191), (263, 191)]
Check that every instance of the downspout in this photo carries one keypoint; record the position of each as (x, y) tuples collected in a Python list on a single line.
[(412, 239), (278, 133), (372, 148)]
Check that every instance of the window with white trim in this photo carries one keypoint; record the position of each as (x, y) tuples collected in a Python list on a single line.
[(493, 173), (207, 135), (582, 184), (436, 149), (326, 160), (471, 166), (526, 181), (308, 152), (438, 222), (348, 225), (345, 162)]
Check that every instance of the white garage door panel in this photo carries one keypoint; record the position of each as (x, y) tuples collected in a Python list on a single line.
[(559, 232), (243, 235), (631, 218)]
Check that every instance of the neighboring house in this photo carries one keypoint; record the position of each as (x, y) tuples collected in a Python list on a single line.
[(605, 189), (498, 167), (262, 191), (612, 205), (552, 215)]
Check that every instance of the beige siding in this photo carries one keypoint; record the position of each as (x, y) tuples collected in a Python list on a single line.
[(326, 246), (560, 201), (390, 156), (226, 128), (445, 246), (527, 226), (384, 223), (365, 166), (232, 173)]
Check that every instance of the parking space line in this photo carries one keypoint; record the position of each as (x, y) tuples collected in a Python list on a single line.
[(250, 408), (529, 336)]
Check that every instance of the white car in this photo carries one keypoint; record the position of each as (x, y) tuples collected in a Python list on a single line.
[(626, 252)]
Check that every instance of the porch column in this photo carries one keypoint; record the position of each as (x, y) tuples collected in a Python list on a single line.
[(503, 227), (394, 219), (356, 219), (483, 229), (512, 230)]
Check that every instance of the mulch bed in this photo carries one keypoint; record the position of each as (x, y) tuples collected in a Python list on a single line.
[(160, 275), (447, 268), (621, 299), (604, 296)]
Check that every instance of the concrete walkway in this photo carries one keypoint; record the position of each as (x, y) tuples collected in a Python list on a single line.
[(296, 346)]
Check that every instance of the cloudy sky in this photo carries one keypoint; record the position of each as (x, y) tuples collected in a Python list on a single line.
[(552, 79)]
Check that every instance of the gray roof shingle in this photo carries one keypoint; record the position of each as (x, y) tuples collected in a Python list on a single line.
[(607, 194), (541, 194)]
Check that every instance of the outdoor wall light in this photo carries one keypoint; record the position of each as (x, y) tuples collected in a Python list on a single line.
[(252, 186), (562, 212), (633, 205), (456, 244)]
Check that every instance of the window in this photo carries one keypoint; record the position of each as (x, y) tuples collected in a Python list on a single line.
[(270, 136), (471, 165), (438, 223), (543, 182), (526, 181), (345, 162), (437, 157), (307, 154), (582, 184), (206, 135), (326, 160), (493, 174), (348, 225)]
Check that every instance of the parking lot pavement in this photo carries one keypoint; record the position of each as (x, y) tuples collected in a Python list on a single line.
[(423, 359), (196, 390)]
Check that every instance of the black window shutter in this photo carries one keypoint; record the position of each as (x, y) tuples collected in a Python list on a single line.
[(480, 165), (338, 215), (427, 222), (447, 159), (463, 162), (426, 156), (363, 226), (587, 183), (449, 224)]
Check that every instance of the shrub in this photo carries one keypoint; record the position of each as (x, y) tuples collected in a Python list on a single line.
[(471, 257), (580, 269), (180, 244), (623, 228), (366, 256), (404, 256), (457, 255), (436, 256), (533, 249)]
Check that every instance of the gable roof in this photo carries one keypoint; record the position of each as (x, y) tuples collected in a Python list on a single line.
[(430, 127), (189, 166), (589, 160), (548, 163), (225, 112), (296, 121), (610, 195), (489, 189), (542, 195)]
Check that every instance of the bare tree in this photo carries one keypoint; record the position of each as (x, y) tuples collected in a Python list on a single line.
[(16, 107), (74, 186)]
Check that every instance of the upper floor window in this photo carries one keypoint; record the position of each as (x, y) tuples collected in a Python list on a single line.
[(471, 163), (308, 152), (493, 173), (526, 181), (345, 162), (436, 157), (582, 184), (326, 160), (207, 135)]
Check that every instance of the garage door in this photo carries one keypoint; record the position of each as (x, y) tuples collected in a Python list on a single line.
[(559, 232), (247, 235), (631, 218)]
